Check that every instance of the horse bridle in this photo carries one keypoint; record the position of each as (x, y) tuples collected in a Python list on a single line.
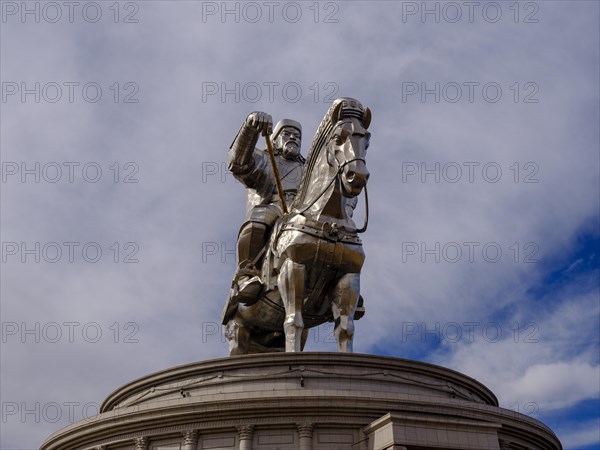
[(337, 174)]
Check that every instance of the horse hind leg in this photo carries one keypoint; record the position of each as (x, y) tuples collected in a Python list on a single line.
[(304, 338), (238, 337), (291, 288), (345, 294)]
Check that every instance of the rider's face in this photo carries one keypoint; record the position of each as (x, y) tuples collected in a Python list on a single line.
[(288, 141)]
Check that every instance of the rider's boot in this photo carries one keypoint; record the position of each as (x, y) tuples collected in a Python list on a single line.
[(247, 283)]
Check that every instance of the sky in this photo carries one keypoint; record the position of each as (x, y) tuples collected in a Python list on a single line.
[(119, 218)]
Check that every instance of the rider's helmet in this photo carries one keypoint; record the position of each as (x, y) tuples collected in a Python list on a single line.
[(290, 148), (285, 123)]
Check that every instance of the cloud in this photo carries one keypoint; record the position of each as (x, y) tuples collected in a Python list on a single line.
[(550, 362), (560, 385), (185, 210), (581, 435)]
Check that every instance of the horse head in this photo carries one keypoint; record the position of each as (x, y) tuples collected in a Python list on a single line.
[(348, 143)]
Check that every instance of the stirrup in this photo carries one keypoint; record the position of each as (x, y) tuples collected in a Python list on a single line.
[(247, 290)]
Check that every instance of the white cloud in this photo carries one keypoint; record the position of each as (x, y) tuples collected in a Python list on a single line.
[(551, 362), (583, 434), (171, 134), (558, 385)]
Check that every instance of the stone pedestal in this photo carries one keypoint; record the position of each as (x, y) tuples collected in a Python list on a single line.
[(305, 401)]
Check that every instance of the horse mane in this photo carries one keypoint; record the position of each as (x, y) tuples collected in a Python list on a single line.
[(316, 147)]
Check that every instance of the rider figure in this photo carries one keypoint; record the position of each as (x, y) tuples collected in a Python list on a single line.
[(252, 167)]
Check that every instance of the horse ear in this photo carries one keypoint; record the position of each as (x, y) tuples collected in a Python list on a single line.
[(337, 112), (366, 121)]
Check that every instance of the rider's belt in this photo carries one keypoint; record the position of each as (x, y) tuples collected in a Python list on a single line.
[(325, 230)]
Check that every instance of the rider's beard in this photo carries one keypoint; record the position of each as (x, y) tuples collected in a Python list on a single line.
[(290, 150)]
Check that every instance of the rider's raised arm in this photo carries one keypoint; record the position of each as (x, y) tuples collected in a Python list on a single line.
[(242, 157)]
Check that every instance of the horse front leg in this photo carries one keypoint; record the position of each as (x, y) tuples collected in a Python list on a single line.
[(291, 288), (345, 294)]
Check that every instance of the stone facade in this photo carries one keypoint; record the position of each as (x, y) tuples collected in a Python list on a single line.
[(305, 401)]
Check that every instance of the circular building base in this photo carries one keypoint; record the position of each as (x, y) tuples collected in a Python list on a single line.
[(304, 401)]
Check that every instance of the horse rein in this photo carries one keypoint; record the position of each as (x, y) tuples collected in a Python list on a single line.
[(338, 173)]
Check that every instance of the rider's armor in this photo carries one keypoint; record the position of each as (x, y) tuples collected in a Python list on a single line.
[(252, 167)]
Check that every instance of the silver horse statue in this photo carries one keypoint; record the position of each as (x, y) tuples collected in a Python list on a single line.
[(311, 268)]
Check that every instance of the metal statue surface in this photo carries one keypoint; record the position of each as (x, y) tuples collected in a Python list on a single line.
[(298, 269)]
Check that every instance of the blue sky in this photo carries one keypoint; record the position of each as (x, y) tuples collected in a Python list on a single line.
[(483, 242)]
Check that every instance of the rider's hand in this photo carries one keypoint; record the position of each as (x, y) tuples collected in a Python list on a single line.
[(260, 121)]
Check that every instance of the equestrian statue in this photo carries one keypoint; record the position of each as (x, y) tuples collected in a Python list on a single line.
[(299, 255)]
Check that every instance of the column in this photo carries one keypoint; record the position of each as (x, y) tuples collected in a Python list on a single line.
[(190, 440), (141, 443), (305, 433), (245, 433)]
